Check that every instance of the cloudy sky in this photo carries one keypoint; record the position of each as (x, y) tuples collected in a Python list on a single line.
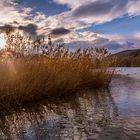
[(114, 24)]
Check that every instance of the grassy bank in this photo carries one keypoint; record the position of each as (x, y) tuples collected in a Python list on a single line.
[(58, 72)]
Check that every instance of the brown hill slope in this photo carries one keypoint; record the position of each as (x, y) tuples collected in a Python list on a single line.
[(128, 58)]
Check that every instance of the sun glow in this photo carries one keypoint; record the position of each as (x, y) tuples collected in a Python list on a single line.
[(2, 41)]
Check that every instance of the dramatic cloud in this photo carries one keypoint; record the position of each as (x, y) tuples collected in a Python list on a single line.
[(14, 17), (73, 3), (133, 7), (30, 29), (127, 42), (11, 11), (113, 46), (137, 35), (114, 43), (66, 25), (97, 11), (96, 8), (60, 31)]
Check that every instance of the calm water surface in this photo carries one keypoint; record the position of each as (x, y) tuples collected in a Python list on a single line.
[(112, 114)]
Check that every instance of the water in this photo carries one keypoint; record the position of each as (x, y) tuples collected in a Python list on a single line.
[(112, 114)]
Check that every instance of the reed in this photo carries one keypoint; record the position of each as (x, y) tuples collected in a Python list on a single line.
[(26, 78)]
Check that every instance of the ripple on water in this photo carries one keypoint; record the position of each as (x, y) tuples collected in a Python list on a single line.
[(102, 114)]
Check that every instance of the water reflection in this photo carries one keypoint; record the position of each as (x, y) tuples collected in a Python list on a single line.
[(80, 117), (89, 115), (125, 92)]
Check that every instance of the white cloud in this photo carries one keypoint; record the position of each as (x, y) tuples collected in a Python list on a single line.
[(73, 3), (133, 7), (11, 12), (96, 12), (137, 35), (82, 13)]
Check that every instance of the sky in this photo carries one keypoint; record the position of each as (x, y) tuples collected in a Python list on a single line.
[(114, 24)]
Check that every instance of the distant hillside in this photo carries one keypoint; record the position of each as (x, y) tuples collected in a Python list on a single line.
[(128, 58)]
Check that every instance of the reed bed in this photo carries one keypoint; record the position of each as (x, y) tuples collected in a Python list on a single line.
[(57, 72)]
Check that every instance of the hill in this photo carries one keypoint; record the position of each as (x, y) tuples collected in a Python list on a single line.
[(128, 58)]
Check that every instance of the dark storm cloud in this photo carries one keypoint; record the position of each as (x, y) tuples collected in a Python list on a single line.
[(99, 8), (60, 31), (30, 28)]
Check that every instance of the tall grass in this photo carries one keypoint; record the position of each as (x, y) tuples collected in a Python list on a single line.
[(58, 71)]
